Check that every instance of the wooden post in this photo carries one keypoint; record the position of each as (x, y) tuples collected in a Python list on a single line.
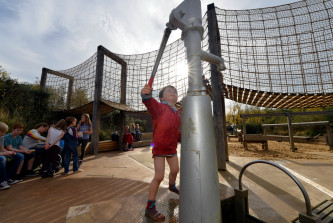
[(291, 136), (123, 81), (69, 93), (329, 135), (97, 101), (122, 101), (265, 130), (218, 100), (43, 79)]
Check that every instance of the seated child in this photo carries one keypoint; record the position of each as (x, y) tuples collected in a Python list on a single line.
[(138, 134), (128, 138)]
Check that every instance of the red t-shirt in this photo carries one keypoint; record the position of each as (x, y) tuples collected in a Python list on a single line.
[(166, 127)]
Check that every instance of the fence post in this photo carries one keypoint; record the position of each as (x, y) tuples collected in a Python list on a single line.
[(218, 98), (329, 135), (97, 100), (291, 135)]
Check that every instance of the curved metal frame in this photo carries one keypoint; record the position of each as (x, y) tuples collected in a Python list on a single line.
[(305, 194)]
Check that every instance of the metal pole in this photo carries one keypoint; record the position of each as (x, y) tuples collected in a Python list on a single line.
[(165, 38), (199, 196)]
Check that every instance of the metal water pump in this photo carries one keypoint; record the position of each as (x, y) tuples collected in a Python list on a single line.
[(199, 196)]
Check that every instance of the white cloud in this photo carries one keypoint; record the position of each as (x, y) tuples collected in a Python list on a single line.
[(61, 34)]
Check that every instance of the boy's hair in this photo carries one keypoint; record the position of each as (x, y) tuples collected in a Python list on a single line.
[(41, 124), (87, 120), (18, 126), (160, 95), (69, 120), (61, 125), (3, 127)]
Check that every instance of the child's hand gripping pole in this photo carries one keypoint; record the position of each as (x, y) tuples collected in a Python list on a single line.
[(166, 35)]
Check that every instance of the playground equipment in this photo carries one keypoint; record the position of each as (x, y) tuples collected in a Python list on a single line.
[(321, 213), (199, 200), (277, 57)]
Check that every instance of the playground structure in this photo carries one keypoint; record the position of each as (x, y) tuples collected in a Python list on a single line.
[(275, 58)]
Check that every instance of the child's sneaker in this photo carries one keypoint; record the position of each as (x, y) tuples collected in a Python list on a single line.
[(173, 188), (4, 185), (154, 214), (31, 173), (11, 182), (78, 171)]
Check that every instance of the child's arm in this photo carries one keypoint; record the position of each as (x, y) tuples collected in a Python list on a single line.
[(150, 103), (34, 134), (47, 146), (57, 140)]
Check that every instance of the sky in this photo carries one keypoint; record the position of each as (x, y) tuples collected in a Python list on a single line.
[(60, 34)]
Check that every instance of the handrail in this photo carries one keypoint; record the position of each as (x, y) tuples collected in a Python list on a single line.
[(305, 194)]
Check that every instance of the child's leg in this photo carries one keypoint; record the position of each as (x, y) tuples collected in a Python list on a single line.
[(75, 159), (159, 166), (68, 154), (174, 169)]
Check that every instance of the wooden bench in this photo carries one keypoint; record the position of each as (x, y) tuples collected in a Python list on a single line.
[(255, 138), (324, 210), (107, 145), (110, 145), (146, 140)]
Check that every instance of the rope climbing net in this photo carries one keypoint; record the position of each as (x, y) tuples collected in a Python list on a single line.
[(275, 57)]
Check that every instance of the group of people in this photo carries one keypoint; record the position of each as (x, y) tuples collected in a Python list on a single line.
[(166, 121), (132, 134), (63, 137)]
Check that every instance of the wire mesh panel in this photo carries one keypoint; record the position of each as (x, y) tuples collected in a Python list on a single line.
[(171, 71), (275, 57), (285, 49)]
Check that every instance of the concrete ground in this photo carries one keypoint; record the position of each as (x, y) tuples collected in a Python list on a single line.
[(113, 188)]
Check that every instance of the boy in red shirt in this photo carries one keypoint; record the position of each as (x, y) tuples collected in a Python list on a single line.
[(166, 121)]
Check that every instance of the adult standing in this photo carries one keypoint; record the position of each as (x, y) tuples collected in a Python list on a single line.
[(85, 129)]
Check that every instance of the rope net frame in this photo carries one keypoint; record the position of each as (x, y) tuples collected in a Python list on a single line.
[(278, 57), (285, 51)]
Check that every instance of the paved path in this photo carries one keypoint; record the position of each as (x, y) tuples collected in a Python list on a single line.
[(111, 179)]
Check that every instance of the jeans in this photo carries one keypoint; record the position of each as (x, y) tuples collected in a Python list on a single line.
[(3, 174), (69, 149), (84, 143), (50, 157), (14, 164)]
